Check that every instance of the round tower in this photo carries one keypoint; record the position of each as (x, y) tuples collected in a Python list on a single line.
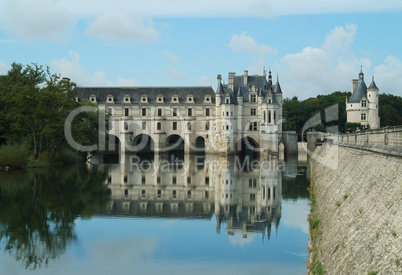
[(373, 105)]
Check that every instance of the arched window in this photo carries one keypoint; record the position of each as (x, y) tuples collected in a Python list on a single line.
[(159, 126), (269, 116), (265, 114), (189, 126)]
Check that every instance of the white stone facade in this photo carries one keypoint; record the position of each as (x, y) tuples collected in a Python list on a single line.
[(363, 105), (248, 110)]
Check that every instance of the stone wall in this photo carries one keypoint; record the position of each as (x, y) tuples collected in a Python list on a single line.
[(359, 204), (385, 140)]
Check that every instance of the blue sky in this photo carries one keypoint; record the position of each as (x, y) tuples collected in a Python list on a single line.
[(316, 47)]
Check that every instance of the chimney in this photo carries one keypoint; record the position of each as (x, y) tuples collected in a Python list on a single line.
[(231, 81), (354, 83), (219, 79), (245, 77)]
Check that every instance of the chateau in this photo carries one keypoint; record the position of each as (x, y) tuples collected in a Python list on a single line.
[(244, 113), (362, 106)]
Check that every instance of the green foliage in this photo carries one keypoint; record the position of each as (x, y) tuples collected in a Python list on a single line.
[(372, 272), (14, 155), (34, 105), (319, 270), (297, 113), (390, 110), (352, 126)]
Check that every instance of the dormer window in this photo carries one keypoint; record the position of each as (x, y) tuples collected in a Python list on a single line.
[(207, 99), (126, 99), (159, 99), (92, 98), (364, 103), (144, 99), (190, 99), (175, 99), (109, 99)]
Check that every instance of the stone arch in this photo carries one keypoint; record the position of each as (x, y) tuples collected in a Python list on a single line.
[(174, 143), (247, 147), (200, 144), (141, 143), (112, 143)]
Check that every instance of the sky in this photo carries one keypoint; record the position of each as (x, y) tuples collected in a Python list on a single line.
[(313, 47)]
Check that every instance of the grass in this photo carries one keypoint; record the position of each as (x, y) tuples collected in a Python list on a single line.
[(338, 203), (360, 210), (393, 232), (397, 262), (372, 272), (345, 196)]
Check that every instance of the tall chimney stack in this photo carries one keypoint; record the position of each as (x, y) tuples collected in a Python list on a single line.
[(245, 78)]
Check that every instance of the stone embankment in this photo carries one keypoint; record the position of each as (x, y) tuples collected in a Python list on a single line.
[(357, 212)]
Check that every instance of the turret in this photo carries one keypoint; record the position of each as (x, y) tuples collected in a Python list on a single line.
[(219, 91)]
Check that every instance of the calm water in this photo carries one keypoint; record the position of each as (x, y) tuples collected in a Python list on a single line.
[(164, 215)]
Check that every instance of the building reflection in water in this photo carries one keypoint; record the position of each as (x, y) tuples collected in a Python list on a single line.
[(245, 201)]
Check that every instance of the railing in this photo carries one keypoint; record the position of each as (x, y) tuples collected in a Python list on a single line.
[(387, 140)]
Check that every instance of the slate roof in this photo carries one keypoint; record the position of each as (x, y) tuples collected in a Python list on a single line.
[(372, 85), (360, 90), (135, 93), (261, 85)]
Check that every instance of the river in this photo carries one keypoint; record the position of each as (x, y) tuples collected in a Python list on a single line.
[(156, 215)]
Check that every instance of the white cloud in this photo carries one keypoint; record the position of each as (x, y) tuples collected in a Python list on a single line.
[(204, 81), (126, 82), (72, 69), (119, 26), (39, 19), (245, 43), (332, 66), (172, 58), (174, 73), (4, 67), (388, 76)]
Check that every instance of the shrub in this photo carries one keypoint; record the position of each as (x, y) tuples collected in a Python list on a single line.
[(14, 155)]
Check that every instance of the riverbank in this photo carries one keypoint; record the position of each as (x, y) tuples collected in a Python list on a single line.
[(356, 216)]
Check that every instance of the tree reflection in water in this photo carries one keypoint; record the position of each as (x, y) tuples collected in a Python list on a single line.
[(39, 207)]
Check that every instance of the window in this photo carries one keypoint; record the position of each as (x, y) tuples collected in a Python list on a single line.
[(189, 126), (227, 101), (253, 98), (207, 112), (189, 194), (274, 116), (159, 112), (174, 180), (159, 193), (189, 112), (207, 125), (206, 194), (252, 197), (363, 117), (159, 126), (227, 127), (364, 103), (227, 113), (252, 112), (126, 99), (252, 183), (252, 126), (158, 179), (143, 179), (126, 111), (175, 125), (174, 194), (126, 192), (110, 99), (144, 112), (109, 179), (125, 178), (125, 126), (188, 180), (143, 192), (109, 111), (207, 181), (174, 111), (255, 126), (269, 116), (144, 126)]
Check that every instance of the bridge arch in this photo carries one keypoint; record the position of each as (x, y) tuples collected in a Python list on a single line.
[(200, 144), (141, 143), (247, 147), (174, 143)]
